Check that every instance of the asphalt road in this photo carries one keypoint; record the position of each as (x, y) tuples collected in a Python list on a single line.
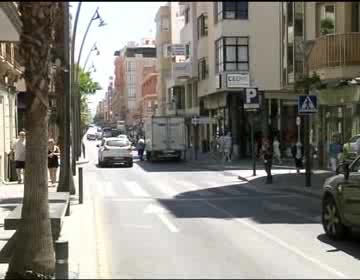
[(168, 220)]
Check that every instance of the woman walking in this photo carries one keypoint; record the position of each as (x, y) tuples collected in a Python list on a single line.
[(53, 160)]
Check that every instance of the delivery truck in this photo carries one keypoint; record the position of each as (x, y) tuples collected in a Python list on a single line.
[(165, 138)]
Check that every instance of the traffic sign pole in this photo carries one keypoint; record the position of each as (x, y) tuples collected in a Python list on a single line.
[(253, 146)]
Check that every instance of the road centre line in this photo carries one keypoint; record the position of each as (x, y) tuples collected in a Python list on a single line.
[(279, 242)]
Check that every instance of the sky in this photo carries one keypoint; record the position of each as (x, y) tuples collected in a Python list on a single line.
[(125, 21)]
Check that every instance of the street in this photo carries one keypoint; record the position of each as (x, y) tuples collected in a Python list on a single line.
[(168, 220)]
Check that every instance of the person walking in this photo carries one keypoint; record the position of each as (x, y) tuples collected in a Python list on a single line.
[(19, 148), (227, 147), (276, 149), (334, 154), (267, 154), (297, 153), (140, 148), (53, 160)]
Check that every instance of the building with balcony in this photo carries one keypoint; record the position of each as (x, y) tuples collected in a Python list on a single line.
[(11, 82), (332, 28), (168, 24), (230, 39), (149, 92), (130, 63)]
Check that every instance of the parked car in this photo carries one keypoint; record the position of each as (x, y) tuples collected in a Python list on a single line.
[(341, 200), (353, 146), (123, 136), (91, 134), (99, 133), (115, 151), (106, 132)]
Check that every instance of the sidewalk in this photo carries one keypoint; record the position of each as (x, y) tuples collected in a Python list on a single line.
[(284, 175), (78, 229)]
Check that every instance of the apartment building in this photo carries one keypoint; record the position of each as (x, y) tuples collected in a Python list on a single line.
[(229, 46), (10, 81), (149, 92), (333, 28), (129, 78), (168, 25)]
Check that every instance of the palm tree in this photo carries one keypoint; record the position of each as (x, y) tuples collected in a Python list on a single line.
[(34, 249)]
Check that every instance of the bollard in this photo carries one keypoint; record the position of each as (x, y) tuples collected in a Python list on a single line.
[(81, 190), (61, 259)]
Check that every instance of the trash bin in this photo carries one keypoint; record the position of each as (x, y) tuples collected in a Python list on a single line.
[(11, 167)]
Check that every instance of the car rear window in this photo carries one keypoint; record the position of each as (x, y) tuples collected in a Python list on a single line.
[(117, 143), (354, 138)]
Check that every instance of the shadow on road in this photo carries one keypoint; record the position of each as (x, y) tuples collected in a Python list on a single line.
[(350, 246), (243, 201)]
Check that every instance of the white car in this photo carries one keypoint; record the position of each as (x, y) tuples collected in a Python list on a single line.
[(123, 136), (113, 150), (353, 146)]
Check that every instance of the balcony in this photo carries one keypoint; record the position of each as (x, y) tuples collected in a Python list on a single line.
[(336, 56), (182, 70), (10, 22)]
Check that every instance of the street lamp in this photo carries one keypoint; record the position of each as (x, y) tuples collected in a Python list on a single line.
[(93, 48), (75, 84)]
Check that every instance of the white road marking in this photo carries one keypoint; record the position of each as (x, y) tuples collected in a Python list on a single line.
[(280, 242), (164, 187), (108, 189), (161, 213), (135, 188)]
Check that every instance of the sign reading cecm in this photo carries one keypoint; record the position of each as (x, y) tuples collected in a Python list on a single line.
[(237, 80)]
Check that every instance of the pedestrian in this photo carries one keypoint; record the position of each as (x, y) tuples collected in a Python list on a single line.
[(335, 150), (221, 144), (19, 148), (276, 149), (53, 160), (140, 148), (298, 153), (227, 147), (267, 154)]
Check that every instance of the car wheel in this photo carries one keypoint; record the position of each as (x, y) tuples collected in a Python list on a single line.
[(130, 164), (331, 220)]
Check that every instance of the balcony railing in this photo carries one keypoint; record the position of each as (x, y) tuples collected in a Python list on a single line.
[(182, 70), (335, 50)]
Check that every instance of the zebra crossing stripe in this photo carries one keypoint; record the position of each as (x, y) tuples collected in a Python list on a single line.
[(135, 189)]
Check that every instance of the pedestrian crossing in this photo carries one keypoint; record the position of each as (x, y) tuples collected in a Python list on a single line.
[(167, 188)]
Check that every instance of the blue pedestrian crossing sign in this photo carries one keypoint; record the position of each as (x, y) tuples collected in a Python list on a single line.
[(307, 104)]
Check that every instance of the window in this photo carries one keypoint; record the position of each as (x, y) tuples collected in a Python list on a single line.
[(130, 66), (131, 92), (187, 50), (165, 24), (203, 70), (232, 10), (130, 79), (202, 25), (232, 54), (187, 18)]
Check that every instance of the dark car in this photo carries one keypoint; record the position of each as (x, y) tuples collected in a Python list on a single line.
[(341, 200)]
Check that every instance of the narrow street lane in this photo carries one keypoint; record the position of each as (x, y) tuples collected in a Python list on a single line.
[(168, 220)]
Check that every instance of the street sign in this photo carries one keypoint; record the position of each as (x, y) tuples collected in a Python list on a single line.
[(307, 104), (252, 101), (201, 120)]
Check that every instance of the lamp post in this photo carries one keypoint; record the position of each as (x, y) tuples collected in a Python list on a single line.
[(93, 48), (76, 87)]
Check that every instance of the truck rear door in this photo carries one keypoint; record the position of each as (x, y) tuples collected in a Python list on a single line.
[(176, 132), (159, 134)]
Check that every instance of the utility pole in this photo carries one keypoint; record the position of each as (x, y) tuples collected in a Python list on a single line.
[(67, 93)]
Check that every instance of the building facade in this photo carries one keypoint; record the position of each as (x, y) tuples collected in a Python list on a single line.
[(149, 92), (129, 77)]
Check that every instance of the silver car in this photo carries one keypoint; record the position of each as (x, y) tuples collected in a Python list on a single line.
[(353, 146), (341, 200)]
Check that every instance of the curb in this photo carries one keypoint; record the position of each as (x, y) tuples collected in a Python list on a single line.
[(294, 189)]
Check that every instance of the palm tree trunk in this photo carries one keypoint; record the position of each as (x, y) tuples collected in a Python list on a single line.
[(34, 249), (66, 182)]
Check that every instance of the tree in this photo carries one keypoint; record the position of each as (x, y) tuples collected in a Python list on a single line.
[(327, 26), (64, 175), (34, 249), (87, 87)]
